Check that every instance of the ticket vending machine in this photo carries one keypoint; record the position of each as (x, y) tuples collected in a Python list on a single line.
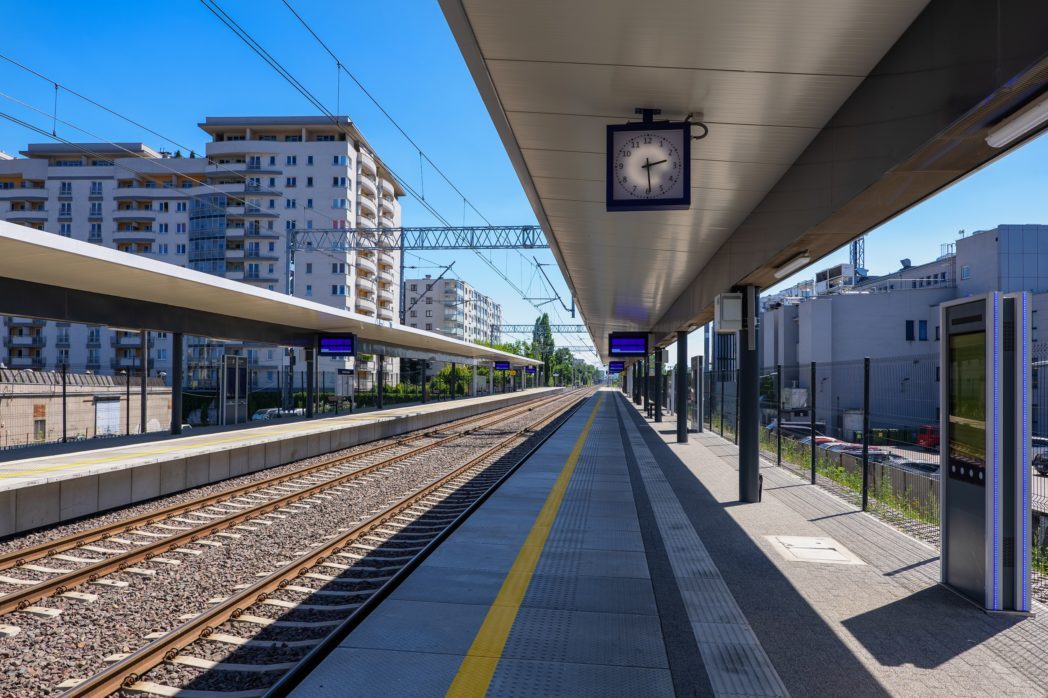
[(984, 473)]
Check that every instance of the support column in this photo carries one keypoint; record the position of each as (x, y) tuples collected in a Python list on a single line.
[(425, 382), (491, 379), (176, 383), (454, 381), (310, 380), (749, 399), (64, 402), (658, 385), (682, 387), (380, 380), (473, 382), (144, 378), (645, 383)]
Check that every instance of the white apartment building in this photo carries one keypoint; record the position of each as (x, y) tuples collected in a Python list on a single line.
[(229, 213), (451, 307)]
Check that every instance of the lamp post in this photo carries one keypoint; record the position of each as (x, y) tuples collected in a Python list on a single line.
[(127, 408)]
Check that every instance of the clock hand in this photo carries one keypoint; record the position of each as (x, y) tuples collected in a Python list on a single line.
[(652, 164), (648, 167)]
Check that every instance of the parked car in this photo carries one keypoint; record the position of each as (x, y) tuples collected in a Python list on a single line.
[(928, 437), (266, 414), (820, 441), (1039, 448), (797, 429)]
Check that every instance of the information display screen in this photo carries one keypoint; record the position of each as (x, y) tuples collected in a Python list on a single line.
[(502, 366), (531, 370), (628, 344), (616, 367), (967, 408), (337, 344)]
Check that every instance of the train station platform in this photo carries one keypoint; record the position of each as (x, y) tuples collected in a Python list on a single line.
[(614, 562), (47, 489)]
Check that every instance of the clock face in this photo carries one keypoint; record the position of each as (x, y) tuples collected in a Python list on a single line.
[(648, 165)]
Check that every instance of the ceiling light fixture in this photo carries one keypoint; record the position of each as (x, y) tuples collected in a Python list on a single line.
[(793, 265), (1019, 124)]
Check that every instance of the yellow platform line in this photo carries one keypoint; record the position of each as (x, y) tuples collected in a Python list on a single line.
[(478, 666)]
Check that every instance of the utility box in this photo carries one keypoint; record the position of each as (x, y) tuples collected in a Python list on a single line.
[(727, 313)]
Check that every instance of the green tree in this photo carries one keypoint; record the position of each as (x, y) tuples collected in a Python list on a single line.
[(542, 345)]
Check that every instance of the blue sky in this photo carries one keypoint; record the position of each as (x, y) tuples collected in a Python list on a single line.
[(168, 65)]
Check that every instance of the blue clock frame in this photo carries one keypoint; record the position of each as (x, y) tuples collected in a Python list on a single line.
[(681, 203)]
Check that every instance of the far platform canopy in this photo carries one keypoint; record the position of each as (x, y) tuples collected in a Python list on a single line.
[(825, 119), (56, 278)]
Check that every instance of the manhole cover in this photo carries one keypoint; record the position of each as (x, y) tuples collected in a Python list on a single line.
[(810, 549)]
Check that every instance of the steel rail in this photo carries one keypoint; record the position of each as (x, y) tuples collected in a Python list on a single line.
[(21, 556), (126, 672), (23, 598)]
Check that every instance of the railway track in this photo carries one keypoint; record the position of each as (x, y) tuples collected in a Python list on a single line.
[(330, 584)]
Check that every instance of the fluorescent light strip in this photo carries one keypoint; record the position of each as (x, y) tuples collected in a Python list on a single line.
[(1019, 124), (793, 265)]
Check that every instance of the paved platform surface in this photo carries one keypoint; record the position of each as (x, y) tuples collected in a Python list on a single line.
[(617, 563)]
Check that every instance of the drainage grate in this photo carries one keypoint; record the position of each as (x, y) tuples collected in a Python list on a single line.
[(809, 549)]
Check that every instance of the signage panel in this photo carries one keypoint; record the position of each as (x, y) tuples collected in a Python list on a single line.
[(628, 344), (337, 344), (616, 367), (502, 366), (531, 370)]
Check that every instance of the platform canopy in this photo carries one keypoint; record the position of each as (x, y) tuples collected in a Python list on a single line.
[(825, 119), (53, 277)]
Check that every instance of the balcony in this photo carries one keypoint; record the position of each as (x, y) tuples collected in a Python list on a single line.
[(147, 236), (25, 340), (24, 194), (387, 222), (385, 313), (39, 214), (385, 294), (386, 258), (251, 212), (364, 283), (235, 253), (125, 362), (365, 206), (134, 214), (367, 162), (126, 342), (387, 188), (25, 322), (363, 222), (34, 362), (366, 306), (368, 187), (385, 275), (136, 193), (366, 264)]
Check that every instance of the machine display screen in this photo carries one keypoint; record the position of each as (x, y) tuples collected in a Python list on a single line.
[(336, 345), (628, 344), (502, 366), (530, 370), (967, 405), (616, 367)]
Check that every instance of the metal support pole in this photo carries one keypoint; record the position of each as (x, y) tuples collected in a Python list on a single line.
[(644, 395), (778, 414), (127, 406), (720, 403), (310, 374), (64, 396), (682, 387), (747, 393), (425, 382), (473, 382), (812, 421), (738, 396), (176, 383), (380, 381), (658, 385), (865, 432), (144, 379), (454, 381), (700, 391), (491, 379)]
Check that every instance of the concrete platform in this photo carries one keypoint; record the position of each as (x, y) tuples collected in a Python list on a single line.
[(44, 490), (617, 563)]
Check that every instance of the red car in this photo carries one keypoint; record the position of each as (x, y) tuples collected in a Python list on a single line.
[(928, 437)]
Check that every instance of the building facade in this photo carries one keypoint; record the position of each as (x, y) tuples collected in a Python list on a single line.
[(452, 307), (230, 213), (901, 310)]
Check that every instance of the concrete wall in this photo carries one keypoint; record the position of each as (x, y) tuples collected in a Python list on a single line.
[(51, 502)]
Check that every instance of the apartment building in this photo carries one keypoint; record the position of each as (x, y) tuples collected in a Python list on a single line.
[(229, 213), (452, 307)]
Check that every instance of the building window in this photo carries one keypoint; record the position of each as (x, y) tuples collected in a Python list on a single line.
[(96, 208), (429, 313), (291, 182), (414, 287), (340, 160), (966, 272), (338, 267), (180, 249), (309, 267), (162, 248), (414, 313), (309, 181), (289, 225), (338, 203), (272, 203), (65, 229), (309, 161), (290, 203), (338, 182), (161, 228), (936, 333), (96, 189), (338, 290), (429, 300), (309, 203), (96, 230), (180, 227), (180, 206), (922, 330), (66, 189), (909, 331), (272, 159), (309, 290), (429, 326), (65, 209)]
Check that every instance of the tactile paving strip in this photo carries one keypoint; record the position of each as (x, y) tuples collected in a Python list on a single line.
[(734, 659)]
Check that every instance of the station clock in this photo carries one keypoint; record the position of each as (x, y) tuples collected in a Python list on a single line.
[(649, 166)]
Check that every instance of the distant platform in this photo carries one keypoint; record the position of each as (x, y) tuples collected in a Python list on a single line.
[(47, 489), (617, 563)]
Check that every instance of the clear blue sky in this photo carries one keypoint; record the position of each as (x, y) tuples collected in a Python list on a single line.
[(168, 65)]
